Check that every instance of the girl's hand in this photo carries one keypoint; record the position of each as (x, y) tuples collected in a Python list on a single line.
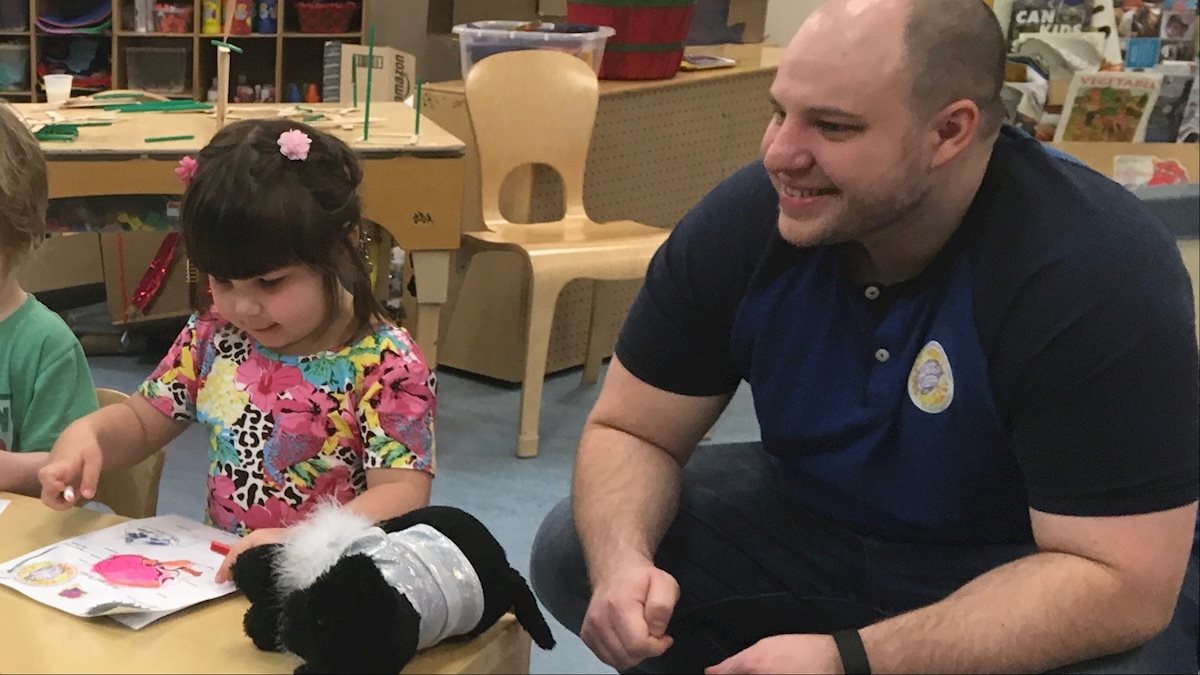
[(267, 535), (71, 464)]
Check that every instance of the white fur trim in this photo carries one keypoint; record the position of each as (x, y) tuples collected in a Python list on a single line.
[(313, 546)]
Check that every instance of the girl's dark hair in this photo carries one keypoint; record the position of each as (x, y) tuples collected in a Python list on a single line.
[(250, 210)]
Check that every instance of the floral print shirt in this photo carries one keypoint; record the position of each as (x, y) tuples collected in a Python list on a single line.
[(287, 432)]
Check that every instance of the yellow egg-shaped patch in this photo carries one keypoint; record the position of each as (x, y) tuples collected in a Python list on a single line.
[(931, 381)]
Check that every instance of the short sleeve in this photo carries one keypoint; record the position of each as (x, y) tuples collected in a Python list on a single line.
[(172, 388), (1102, 387), (677, 334), (396, 408), (63, 392)]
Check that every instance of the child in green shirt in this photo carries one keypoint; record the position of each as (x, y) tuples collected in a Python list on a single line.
[(45, 383)]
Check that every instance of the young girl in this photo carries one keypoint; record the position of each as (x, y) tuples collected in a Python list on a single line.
[(308, 392)]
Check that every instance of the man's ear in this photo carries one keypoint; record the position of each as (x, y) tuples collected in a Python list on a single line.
[(954, 127)]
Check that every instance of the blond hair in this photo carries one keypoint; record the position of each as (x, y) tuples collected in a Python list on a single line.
[(23, 190)]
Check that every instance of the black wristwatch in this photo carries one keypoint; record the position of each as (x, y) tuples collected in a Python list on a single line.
[(853, 653)]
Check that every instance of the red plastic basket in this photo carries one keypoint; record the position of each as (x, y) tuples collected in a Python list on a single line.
[(325, 17), (650, 34)]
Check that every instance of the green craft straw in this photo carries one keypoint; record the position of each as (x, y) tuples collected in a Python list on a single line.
[(228, 45), (158, 106), (354, 78), (417, 123), (370, 72), (164, 139)]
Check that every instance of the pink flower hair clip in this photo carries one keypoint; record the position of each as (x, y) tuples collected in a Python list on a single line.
[(294, 144), (186, 170)]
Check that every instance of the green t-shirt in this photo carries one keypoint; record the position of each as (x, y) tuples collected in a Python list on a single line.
[(45, 383)]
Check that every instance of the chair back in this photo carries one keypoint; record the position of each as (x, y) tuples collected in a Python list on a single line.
[(131, 492), (531, 107)]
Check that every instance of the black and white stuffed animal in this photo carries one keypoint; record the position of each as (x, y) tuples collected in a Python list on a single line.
[(348, 595)]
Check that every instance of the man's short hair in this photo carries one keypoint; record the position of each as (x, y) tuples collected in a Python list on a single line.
[(23, 189), (955, 50)]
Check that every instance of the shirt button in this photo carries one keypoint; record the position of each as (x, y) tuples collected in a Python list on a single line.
[(872, 292), (882, 355)]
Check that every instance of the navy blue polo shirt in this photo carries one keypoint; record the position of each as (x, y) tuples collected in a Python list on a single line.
[(1046, 357)]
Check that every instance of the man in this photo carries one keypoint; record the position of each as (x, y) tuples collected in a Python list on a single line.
[(974, 368)]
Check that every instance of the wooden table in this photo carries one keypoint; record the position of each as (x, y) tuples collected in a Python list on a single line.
[(413, 190), (206, 638)]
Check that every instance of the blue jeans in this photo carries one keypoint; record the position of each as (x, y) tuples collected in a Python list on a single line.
[(751, 564)]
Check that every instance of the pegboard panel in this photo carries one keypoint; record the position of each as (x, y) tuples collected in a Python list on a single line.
[(573, 315), (655, 153)]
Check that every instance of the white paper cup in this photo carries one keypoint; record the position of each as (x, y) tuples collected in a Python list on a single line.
[(58, 88)]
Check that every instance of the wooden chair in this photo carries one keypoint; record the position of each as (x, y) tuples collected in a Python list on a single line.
[(539, 107), (130, 492)]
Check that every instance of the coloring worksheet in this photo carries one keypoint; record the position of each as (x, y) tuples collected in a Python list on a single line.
[(136, 572)]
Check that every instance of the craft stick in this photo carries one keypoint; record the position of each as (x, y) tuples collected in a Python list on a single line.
[(230, 5), (222, 85), (164, 139), (370, 73), (417, 110)]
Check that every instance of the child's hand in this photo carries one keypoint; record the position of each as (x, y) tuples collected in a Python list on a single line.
[(267, 535), (77, 467)]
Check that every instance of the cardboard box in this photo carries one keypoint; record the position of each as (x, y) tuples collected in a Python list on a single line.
[(728, 21), (393, 77), (63, 261), (126, 256), (1101, 155), (753, 15)]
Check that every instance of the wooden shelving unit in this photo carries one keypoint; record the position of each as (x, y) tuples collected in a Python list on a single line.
[(278, 59)]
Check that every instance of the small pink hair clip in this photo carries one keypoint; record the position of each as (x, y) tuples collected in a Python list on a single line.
[(294, 144), (186, 170)]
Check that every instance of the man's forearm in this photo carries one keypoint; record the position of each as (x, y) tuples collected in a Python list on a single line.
[(1040, 612), (624, 493)]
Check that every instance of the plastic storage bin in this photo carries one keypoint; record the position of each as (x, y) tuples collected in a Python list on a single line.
[(648, 44), (481, 39), (14, 66), (162, 70)]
